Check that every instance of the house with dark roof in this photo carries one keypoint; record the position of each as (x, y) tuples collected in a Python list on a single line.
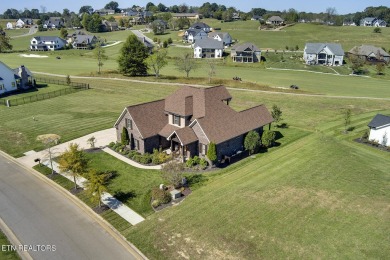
[(246, 53), (187, 121), (109, 26), (200, 26), (53, 23), (192, 35), (47, 43), (147, 43), (14, 79), (103, 12), (208, 48), (370, 53), (222, 36), (373, 22), (275, 20), (331, 54), (380, 129), (82, 41)]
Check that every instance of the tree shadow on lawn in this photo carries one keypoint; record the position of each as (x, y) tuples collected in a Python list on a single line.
[(23, 91), (125, 196), (196, 180)]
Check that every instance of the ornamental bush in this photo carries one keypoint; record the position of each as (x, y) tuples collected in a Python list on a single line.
[(162, 196)]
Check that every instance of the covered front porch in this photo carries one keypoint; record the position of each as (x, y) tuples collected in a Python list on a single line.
[(184, 144)]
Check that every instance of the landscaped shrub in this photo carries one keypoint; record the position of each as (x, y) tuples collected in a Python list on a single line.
[(137, 157), (190, 163), (146, 158), (162, 196), (268, 138), (111, 144), (159, 157), (202, 164), (156, 203)]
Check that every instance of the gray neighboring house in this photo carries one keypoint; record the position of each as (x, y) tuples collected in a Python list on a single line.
[(275, 20), (372, 22), (188, 120), (370, 53), (47, 43), (103, 12), (83, 41), (246, 53), (331, 54), (201, 26), (110, 26), (222, 36), (208, 48), (192, 35), (53, 23)]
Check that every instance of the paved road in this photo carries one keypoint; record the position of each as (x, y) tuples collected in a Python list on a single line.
[(32, 31), (39, 214), (140, 34)]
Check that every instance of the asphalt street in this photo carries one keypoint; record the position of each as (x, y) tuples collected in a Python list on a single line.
[(39, 215)]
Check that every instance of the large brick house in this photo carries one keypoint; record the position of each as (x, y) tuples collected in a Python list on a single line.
[(188, 120)]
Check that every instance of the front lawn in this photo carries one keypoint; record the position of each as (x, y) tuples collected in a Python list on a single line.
[(6, 254), (130, 185)]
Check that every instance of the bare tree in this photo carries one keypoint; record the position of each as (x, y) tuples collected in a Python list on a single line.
[(43, 9), (186, 63), (330, 13), (49, 140), (100, 54), (211, 69)]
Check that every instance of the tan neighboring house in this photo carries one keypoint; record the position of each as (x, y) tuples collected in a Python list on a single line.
[(246, 53), (275, 20), (370, 53), (188, 120), (187, 15), (110, 26)]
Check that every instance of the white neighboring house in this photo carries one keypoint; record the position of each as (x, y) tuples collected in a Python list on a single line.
[(47, 43), (10, 26), (331, 54), (12, 79), (208, 48), (19, 23), (192, 35), (380, 129), (372, 21), (222, 36)]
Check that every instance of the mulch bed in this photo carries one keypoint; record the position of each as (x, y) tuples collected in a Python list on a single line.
[(100, 210), (75, 191), (379, 147), (187, 191), (93, 150)]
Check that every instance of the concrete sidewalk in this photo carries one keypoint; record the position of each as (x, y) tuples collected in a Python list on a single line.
[(131, 162), (122, 210)]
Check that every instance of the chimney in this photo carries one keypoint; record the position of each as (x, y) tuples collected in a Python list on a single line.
[(23, 77)]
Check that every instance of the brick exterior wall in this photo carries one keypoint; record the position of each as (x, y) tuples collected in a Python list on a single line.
[(133, 134)]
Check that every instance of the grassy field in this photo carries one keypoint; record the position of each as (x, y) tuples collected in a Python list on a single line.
[(6, 255), (41, 89), (130, 185)]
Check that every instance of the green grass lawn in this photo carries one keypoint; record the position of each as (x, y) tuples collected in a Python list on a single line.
[(6, 255), (130, 185), (41, 89)]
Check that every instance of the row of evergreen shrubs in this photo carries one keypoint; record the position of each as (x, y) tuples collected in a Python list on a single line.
[(157, 157), (197, 163)]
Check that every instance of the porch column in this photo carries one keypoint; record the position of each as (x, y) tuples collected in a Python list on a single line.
[(182, 152)]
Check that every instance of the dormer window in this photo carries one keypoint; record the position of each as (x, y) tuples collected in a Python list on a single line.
[(176, 120)]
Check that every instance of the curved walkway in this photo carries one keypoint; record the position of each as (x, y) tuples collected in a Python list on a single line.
[(130, 162)]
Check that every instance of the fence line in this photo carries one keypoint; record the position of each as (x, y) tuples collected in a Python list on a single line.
[(73, 87)]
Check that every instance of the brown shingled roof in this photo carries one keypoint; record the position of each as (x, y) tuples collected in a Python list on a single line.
[(149, 117), (186, 135), (167, 130)]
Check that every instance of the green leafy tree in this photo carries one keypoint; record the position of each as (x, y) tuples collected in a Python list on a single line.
[(74, 161), (212, 152), (68, 81), (347, 118), (158, 27), (172, 173), (276, 113), (112, 5), (268, 138), (186, 63), (5, 43), (49, 140), (157, 61), (380, 68), (357, 64), (252, 141), (165, 44), (132, 59), (63, 33), (125, 139), (100, 54), (96, 186)]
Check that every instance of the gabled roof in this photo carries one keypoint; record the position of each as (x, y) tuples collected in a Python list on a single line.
[(220, 34), (48, 38), (209, 43), (316, 48), (148, 117), (366, 50), (275, 18), (185, 135), (379, 120), (369, 19), (16, 71), (194, 32), (145, 42), (80, 38), (200, 25), (245, 46)]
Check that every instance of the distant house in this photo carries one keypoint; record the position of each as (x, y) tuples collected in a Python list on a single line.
[(246, 53), (380, 129), (373, 22), (129, 12), (275, 20), (83, 41), (160, 24), (147, 43), (24, 22), (53, 23), (13, 79), (331, 54), (349, 23), (370, 53), (47, 43), (208, 48), (103, 12), (110, 26), (187, 121), (10, 26), (222, 36), (187, 15), (200, 26), (192, 35), (142, 17), (236, 16), (256, 18)]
